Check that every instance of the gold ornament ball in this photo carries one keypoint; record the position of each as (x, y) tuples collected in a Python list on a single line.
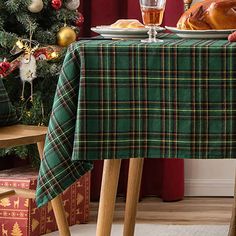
[(35, 6), (66, 36)]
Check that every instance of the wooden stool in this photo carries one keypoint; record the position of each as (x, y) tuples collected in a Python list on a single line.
[(17, 135)]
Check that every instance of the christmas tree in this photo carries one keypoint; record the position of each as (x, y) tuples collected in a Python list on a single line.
[(16, 231), (34, 35)]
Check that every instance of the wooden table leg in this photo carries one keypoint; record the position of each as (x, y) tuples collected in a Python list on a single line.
[(40, 146), (110, 179), (232, 227), (60, 216), (57, 205), (134, 182)]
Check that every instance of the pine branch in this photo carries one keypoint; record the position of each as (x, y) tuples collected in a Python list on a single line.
[(47, 69), (64, 15), (15, 21), (45, 37), (7, 40), (12, 5), (27, 22), (15, 6), (1, 23)]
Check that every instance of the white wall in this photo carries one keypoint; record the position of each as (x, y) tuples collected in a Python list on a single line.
[(209, 177)]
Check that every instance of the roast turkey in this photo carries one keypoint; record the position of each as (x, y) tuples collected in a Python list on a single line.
[(209, 14)]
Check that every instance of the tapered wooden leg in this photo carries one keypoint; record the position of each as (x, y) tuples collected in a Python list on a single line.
[(40, 146), (133, 189), (232, 227), (57, 205), (110, 179), (60, 216)]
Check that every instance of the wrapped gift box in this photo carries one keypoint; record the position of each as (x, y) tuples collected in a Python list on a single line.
[(20, 216)]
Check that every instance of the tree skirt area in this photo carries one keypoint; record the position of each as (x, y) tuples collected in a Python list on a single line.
[(154, 230)]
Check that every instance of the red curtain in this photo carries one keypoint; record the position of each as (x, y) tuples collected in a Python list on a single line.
[(105, 12), (161, 177)]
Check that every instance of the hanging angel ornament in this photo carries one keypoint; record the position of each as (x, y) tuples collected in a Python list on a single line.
[(28, 72), (27, 62)]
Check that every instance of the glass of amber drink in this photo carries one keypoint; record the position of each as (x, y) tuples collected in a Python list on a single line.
[(152, 14)]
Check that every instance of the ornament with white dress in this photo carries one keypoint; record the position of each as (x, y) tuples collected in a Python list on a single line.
[(21, 47), (28, 71), (27, 64)]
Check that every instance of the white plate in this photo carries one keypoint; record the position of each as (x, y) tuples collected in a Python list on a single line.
[(109, 32), (201, 34)]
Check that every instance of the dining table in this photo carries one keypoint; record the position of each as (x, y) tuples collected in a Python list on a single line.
[(124, 99)]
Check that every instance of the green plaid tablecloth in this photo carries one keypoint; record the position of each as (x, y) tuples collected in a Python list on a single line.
[(123, 99)]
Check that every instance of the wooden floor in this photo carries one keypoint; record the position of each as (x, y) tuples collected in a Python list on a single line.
[(188, 211)]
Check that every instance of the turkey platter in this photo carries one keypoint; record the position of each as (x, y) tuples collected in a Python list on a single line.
[(208, 15)]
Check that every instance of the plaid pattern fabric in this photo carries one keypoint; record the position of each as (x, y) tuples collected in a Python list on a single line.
[(57, 171), (7, 111), (174, 99)]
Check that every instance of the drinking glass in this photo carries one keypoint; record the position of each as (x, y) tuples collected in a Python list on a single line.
[(152, 14)]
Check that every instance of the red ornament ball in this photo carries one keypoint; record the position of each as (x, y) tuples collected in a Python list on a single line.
[(4, 66), (56, 4), (79, 20)]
